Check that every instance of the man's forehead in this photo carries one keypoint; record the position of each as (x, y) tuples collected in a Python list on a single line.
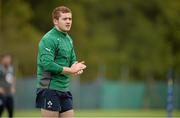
[(65, 14)]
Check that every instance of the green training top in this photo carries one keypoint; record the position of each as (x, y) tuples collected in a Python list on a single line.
[(55, 52)]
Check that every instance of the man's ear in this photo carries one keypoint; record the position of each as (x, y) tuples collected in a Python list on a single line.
[(55, 21)]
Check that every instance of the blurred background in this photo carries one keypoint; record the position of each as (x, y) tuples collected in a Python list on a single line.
[(129, 47)]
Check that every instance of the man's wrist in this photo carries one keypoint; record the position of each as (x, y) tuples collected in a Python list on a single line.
[(67, 70)]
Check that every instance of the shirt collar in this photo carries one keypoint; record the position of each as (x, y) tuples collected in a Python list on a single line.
[(57, 29)]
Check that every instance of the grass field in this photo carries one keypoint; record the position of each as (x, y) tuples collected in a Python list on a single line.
[(104, 113)]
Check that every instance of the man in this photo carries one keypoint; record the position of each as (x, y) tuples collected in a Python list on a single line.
[(56, 62), (7, 85)]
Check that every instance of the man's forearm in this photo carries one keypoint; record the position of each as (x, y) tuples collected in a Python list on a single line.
[(76, 67), (67, 70)]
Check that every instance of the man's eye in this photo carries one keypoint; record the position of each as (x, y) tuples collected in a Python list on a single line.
[(67, 18)]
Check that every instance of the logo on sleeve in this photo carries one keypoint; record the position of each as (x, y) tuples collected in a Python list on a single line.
[(48, 49)]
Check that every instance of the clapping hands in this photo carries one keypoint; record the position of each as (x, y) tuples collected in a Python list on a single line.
[(78, 67)]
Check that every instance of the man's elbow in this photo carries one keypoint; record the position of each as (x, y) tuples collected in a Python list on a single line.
[(46, 65)]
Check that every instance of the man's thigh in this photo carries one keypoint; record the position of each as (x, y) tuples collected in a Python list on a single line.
[(2, 102), (48, 114), (69, 114)]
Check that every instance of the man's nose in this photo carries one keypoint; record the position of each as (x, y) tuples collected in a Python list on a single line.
[(68, 20)]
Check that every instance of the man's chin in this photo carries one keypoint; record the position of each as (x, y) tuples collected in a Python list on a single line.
[(66, 30)]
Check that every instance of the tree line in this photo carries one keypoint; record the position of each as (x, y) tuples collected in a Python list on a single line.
[(119, 39)]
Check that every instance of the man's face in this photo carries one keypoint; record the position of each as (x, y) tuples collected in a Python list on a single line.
[(64, 22), (6, 61)]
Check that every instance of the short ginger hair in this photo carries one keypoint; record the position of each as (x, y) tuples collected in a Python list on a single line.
[(61, 9)]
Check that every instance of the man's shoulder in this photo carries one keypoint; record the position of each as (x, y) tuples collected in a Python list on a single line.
[(1, 66), (50, 38), (1, 71), (50, 35)]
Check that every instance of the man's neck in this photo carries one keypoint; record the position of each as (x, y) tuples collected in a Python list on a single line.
[(59, 29)]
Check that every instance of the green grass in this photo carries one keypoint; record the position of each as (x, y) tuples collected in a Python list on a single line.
[(103, 113)]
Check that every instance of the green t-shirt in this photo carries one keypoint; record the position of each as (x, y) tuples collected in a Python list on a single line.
[(55, 52)]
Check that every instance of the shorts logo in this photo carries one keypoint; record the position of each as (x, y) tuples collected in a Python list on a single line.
[(49, 103)]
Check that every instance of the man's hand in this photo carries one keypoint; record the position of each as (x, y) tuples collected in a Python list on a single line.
[(79, 72), (2, 91), (76, 68), (13, 90)]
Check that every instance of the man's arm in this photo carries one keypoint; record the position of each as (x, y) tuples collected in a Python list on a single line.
[(73, 57), (75, 68), (2, 92), (46, 59), (13, 88), (46, 56)]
